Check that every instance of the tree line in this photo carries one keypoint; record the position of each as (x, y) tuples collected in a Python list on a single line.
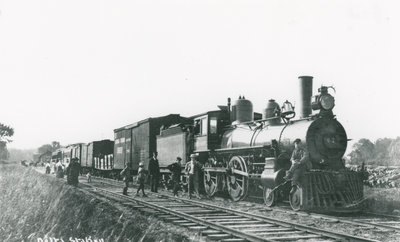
[(382, 152), (6, 132)]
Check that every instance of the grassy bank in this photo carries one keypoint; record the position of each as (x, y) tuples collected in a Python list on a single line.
[(35, 206)]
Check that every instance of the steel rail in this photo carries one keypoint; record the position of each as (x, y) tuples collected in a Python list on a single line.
[(189, 217), (306, 228), (343, 220), (327, 217), (231, 231)]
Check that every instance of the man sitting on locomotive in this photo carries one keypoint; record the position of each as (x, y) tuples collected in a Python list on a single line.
[(300, 163)]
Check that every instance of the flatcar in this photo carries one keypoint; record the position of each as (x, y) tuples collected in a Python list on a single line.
[(243, 153)]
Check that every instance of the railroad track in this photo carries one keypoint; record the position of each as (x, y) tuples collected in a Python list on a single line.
[(270, 229), (384, 222), (222, 224)]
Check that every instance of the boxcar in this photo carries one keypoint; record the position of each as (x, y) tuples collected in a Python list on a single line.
[(136, 142)]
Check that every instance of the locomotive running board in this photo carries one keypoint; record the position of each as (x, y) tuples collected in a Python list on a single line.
[(243, 148)]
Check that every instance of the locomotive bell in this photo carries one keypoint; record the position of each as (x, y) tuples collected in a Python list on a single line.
[(288, 110)]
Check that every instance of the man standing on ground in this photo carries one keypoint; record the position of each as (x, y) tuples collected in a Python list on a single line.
[(192, 169), (154, 172), (176, 169), (74, 169), (126, 177)]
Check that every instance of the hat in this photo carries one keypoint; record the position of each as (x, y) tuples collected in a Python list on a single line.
[(194, 155), (141, 164), (296, 141), (179, 158)]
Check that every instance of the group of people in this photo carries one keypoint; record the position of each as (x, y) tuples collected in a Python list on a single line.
[(192, 169), (72, 171), (299, 159)]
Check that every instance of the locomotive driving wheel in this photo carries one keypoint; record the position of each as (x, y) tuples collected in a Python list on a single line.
[(295, 198), (269, 197), (237, 178), (210, 182)]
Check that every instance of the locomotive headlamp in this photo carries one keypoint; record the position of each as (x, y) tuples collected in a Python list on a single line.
[(327, 101), (324, 100)]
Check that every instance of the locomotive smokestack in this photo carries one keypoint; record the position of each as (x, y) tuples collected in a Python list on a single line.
[(304, 106)]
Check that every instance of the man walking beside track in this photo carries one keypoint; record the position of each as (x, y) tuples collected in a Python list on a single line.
[(176, 169), (126, 177), (192, 169), (140, 179), (154, 172)]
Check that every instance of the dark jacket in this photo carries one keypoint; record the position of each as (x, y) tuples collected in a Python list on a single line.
[(154, 167), (176, 169), (73, 171), (301, 156), (126, 175)]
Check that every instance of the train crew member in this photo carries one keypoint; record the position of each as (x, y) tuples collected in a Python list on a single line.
[(126, 177), (59, 170), (176, 169), (154, 172), (192, 169), (300, 163), (73, 171), (141, 179), (48, 168), (89, 177)]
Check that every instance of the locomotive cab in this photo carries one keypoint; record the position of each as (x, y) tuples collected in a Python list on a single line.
[(207, 130)]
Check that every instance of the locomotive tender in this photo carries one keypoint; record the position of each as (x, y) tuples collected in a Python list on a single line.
[(242, 153)]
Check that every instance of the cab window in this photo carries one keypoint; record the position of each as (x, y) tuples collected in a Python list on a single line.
[(204, 126), (201, 126), (213, 125)]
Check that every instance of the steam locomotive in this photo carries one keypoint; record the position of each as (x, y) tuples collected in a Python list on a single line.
[(242, 152)]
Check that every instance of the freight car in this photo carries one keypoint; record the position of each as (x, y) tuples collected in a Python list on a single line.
[(95, 157), (136, 142), (243, 154), (98, 158)]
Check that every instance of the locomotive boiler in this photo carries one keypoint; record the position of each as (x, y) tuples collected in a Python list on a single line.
[(243, 152)]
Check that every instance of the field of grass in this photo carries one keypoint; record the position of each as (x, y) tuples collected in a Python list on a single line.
[(383, 200), (35, 206)]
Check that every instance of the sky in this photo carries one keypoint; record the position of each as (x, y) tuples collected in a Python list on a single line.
[(73, 71)]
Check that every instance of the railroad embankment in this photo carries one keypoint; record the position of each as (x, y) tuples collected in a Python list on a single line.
[(36, 207)]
